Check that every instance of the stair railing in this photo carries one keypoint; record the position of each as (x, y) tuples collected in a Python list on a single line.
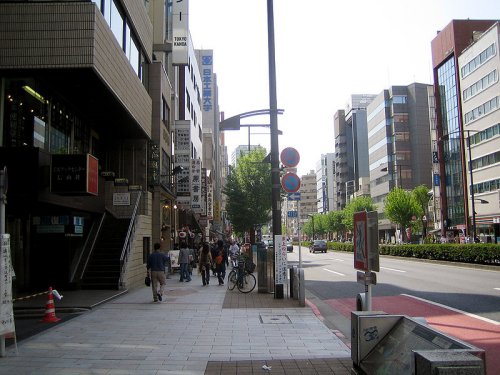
[(129, 239), (87, 250)]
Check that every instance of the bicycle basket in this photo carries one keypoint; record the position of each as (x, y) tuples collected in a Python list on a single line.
[(250, 267)]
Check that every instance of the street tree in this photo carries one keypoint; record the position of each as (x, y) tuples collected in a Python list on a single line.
[(401, 207), (356, 205), (422, 196), (307, 229), (334, 222), (248, 190)]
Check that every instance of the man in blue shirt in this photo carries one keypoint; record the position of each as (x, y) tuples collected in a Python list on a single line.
[(156, 271)]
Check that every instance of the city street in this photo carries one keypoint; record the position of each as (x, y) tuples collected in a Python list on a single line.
[(458, 300)]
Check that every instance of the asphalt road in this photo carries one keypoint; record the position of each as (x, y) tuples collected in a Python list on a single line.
[(473, 290), (460, 301)]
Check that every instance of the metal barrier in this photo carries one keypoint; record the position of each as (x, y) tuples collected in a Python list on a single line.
[(265, 271), (397, 344)]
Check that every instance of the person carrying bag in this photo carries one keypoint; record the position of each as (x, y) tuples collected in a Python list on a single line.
[(205, 263)]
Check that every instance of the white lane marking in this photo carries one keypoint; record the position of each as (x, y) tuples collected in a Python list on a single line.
[(392, 269), (337, 259), (496, 288), (453, 309), (336, 273)]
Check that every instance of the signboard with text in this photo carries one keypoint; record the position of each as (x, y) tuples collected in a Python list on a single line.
[(180, 30), (74, 174), (366, 256), (6, 273), (280, 260)]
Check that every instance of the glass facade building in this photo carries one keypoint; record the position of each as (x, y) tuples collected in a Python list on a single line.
[(451, 141)]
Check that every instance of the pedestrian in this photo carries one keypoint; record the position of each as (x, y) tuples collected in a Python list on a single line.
[(234, 251), (184, 262), (205, 263), (192, 261), (156, 271), (213, 250), (221, 262)]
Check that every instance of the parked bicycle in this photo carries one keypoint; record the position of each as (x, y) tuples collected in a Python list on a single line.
[(241, 276)]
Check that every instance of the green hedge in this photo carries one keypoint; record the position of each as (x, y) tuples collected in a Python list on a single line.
[(466, 253)]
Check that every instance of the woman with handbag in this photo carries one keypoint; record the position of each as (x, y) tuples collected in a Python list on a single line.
[(221, 261), (205, 263)]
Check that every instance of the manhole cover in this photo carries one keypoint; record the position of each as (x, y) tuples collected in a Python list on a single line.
[(275, 319)]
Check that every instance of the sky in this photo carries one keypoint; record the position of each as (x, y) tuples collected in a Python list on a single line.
[(326, 51)]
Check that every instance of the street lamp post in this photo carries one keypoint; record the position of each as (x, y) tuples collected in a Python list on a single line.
[(234, 124), (312, 218), (471, 177)]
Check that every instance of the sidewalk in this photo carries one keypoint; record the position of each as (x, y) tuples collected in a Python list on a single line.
[(195, 330)]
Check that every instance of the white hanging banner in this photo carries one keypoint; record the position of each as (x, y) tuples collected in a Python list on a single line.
[(280, 260), (6, 273)]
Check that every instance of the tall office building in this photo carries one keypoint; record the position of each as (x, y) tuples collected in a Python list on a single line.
[(479, 66), (95, 97), (308, 199), (399, 143), (243, 150), (351, 148), (447, 46), (77, 134)]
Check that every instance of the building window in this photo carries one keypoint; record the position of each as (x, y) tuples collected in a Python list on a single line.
[(480, 85), (120, 26), (479, 60), (482, 110), (399, 99), (117, 23)]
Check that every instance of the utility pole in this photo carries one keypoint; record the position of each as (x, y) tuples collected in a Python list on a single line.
[(273, 106)]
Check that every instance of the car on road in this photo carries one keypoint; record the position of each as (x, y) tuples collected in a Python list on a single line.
[(269, 244), (318, 245), (289, 246)]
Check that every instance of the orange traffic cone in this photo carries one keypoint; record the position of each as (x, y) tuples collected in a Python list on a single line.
[(50, 310)]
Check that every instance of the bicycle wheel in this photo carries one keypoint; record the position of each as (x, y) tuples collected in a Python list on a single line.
[(247, 283), (232, 279)]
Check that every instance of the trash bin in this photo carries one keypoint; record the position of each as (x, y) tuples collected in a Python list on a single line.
[(265, 269)]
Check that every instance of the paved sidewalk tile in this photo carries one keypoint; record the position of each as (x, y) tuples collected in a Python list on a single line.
[(195, 330)]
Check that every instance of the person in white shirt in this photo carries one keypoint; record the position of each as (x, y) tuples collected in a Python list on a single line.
[(234, 251)]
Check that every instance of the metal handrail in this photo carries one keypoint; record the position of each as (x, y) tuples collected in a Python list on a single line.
[(128, 240), (88, 250)]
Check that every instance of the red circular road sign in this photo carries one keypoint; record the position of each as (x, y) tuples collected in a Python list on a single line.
[(290, 157), (290, 182)]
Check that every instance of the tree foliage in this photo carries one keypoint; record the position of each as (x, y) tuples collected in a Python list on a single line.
[(334, 222), (356, 205), (422, 197), (401, 206), (248, 189)]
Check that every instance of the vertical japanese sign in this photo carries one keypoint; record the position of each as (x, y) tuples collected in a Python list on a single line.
[(204, 191), (180, 30), (6, 273), (196, 185), (182, 158), (207, 80), (210, 200), (280, 260)]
